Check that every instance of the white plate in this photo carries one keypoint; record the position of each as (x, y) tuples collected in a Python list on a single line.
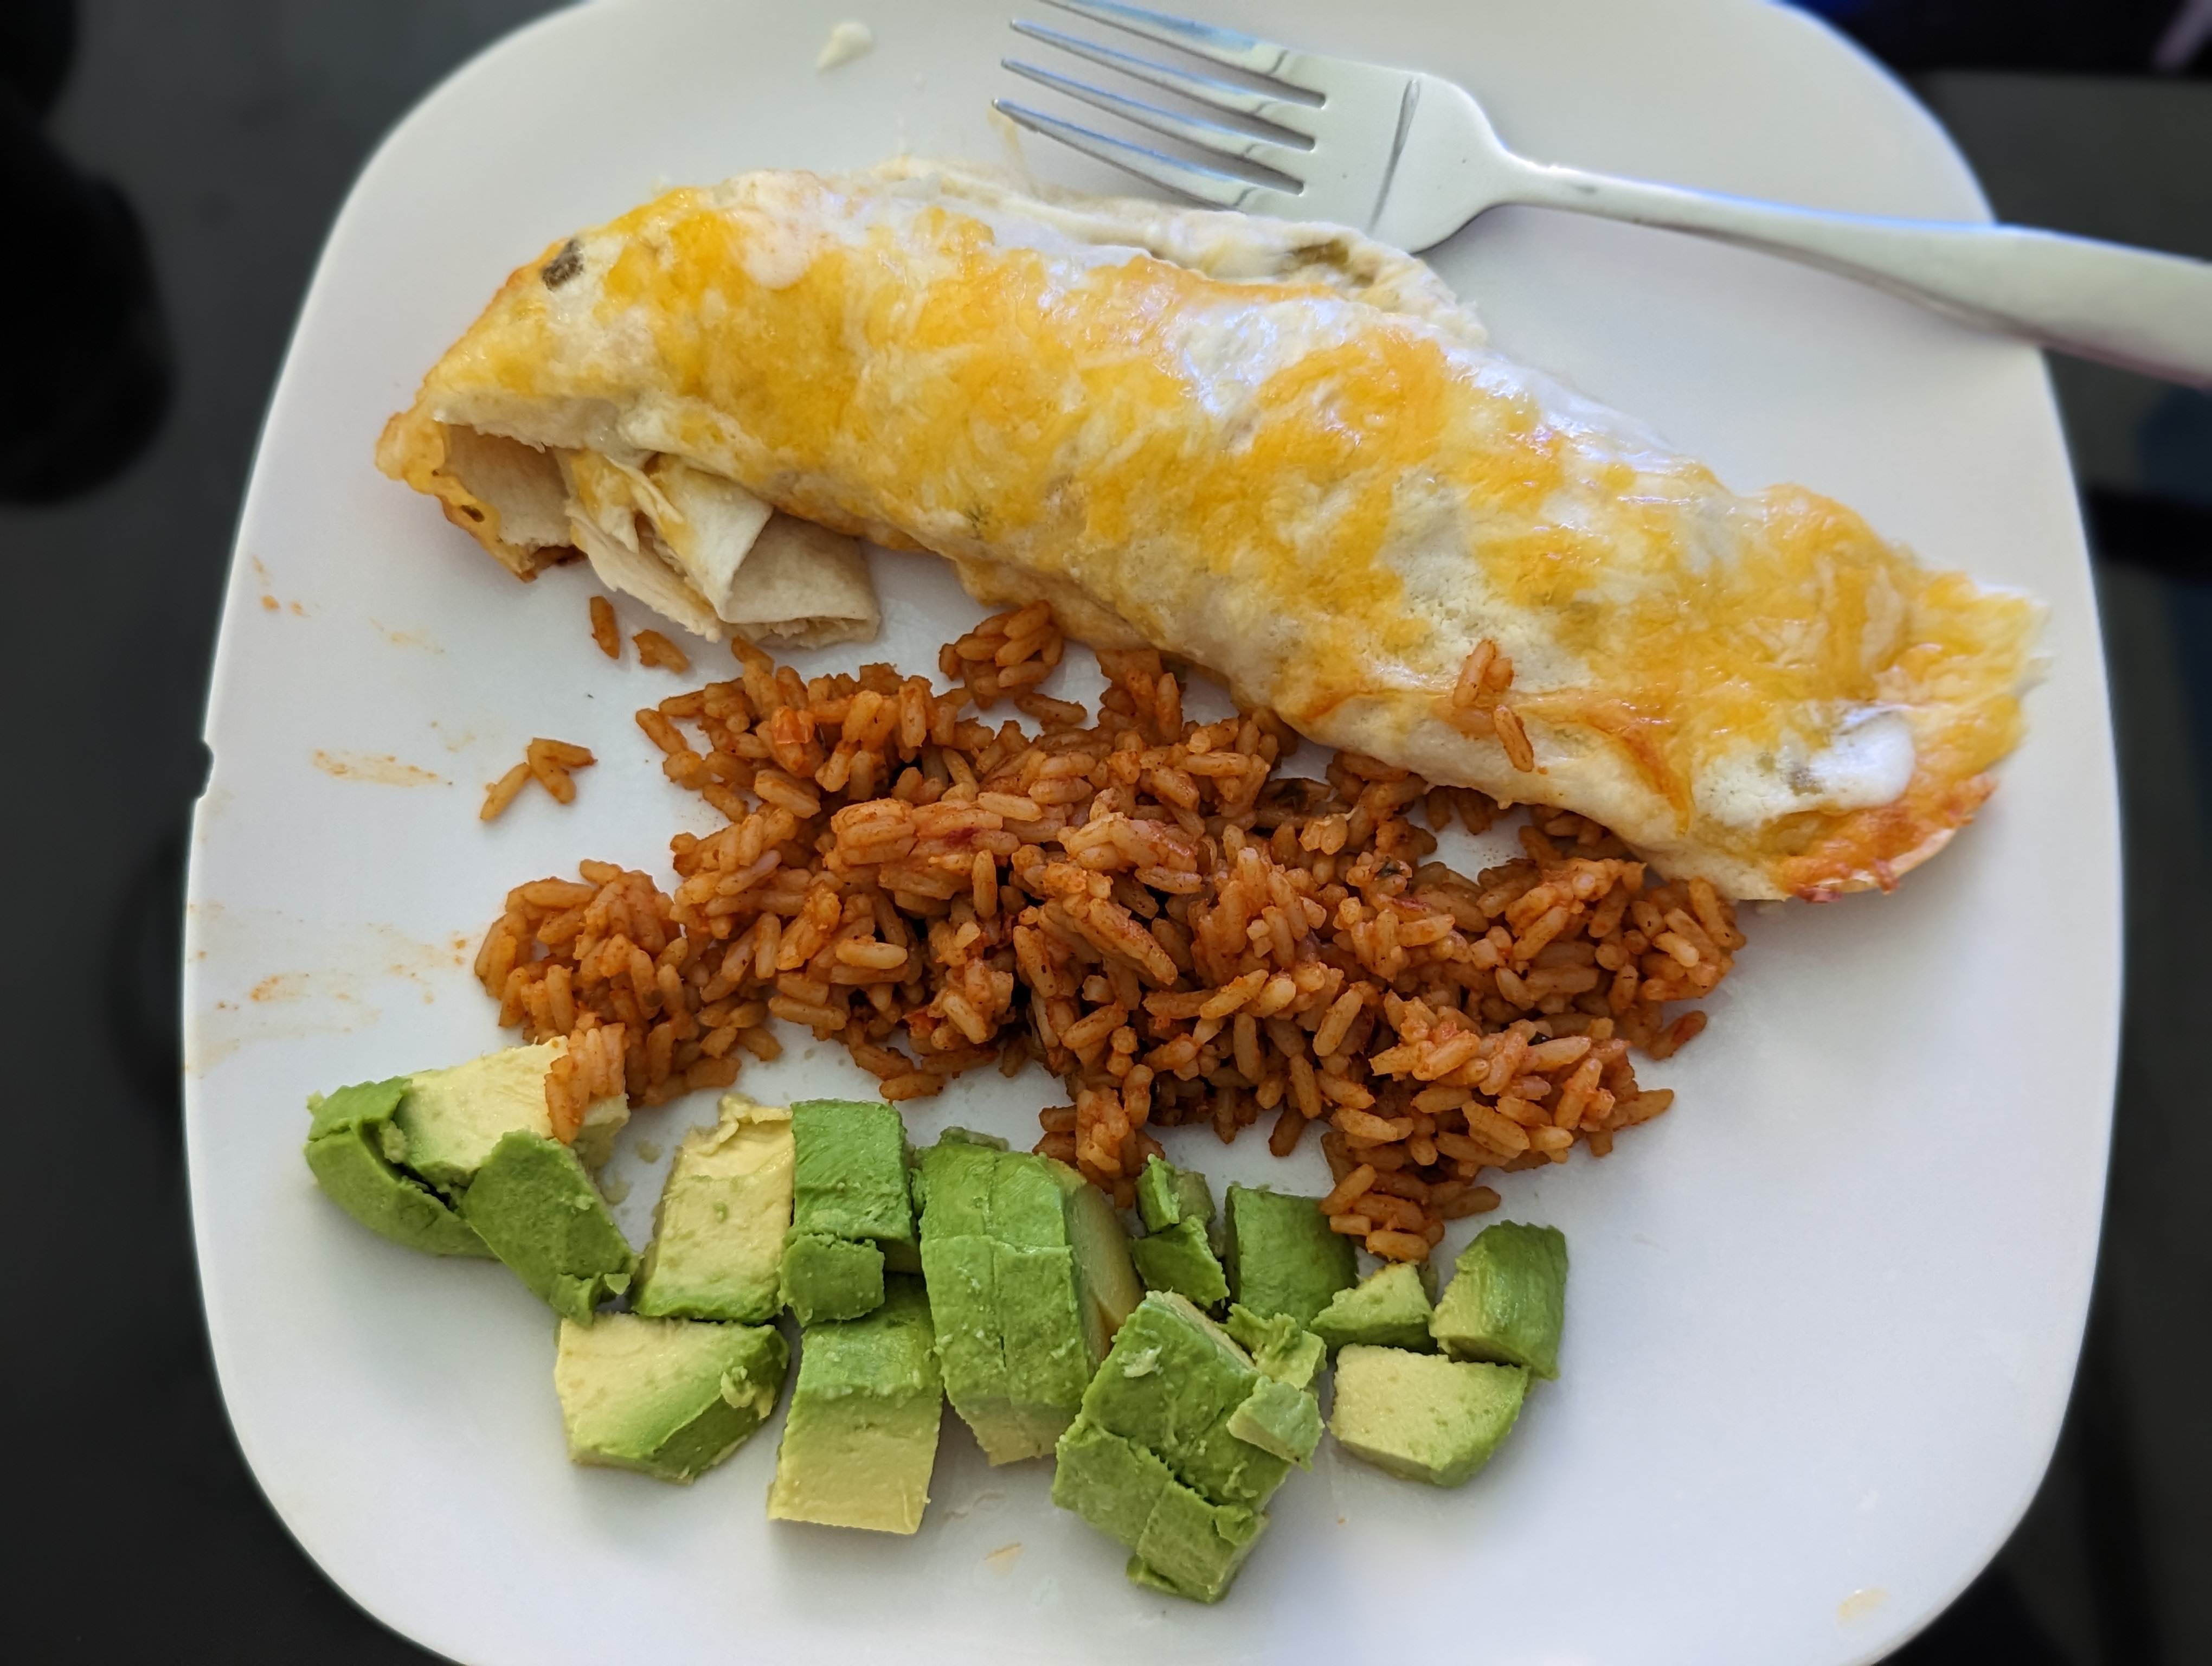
[(1825, 1313)]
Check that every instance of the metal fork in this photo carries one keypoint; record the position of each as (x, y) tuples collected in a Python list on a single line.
[(1410, 158)]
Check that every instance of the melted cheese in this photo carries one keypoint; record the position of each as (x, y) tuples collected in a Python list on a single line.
[(1285, 454)]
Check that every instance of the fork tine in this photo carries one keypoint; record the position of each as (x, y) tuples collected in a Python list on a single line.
[(1291, 114), (1205, 184), (1192, 131), (1242, 52)]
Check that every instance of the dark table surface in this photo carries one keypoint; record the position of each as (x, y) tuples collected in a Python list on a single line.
[(233, 127)]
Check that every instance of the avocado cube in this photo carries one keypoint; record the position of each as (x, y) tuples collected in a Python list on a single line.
[(968, 1188), (452, 1118), (952, 1183), (1280, 1346), (1019, 1319), (1106, 1282), (670, 1398), (537, 1211), (1280, 1418), (1421, 1416), (1166, 1194), (825, 1279), (1186, 1546), (1047, 1365), (1508, 1301), (1111, 1482), (1282, 1256), (1171, 1382), (1194, 1548), (860, 1441), (355, 1152), (1010, 1341), (849, 1178), (1389, 1310), (961, 1273), (1030, 1209), (1177, 1257), (717, 1248)]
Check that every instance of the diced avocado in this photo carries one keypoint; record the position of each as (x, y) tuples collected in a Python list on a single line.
[(354, 1151), (536, 1209), (827, 1278), (1047, 1365), (1111, 1482), (961, 1276), (1192, 1548), (860, 1439), (1389, 1310), (366, 1105), (1166, 1194), (1009, 1338), (1171, 1382), (1280, 1346), (1018, 1328), (670, 1398), (1177, 1257), (1282, 1256), (969, 1187), (1508, 1301), (849, 1178), (1106, 1281), (1280, 1418), (1422, 1416), (717, 1248), (1028, 1207), (1184, 1545), (952, 1185), (452, 1118)]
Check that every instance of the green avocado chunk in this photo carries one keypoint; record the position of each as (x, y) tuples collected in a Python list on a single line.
[(849, 1178), (1023, 1280), (1280, 1346), (1280, 1418), (1108, 1282), (1389, 1310), (1177, 1257), (860, 1441), (452, 1118), (1508, 1301), (1030, 1208), (1166, 1194), (717, 1248), (536, 1209), (961, 1273), (1282, 1256), (670, 1398), (1171, 1382), (1185, 1545), (1422, 1416), (952, 1184), (1181, 1442), (825, 1279), (1192, 1548), (1041, 1321), (1110, 1482), (355, 1152)]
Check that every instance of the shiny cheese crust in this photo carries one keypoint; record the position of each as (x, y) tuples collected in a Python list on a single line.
[(1284, 453)]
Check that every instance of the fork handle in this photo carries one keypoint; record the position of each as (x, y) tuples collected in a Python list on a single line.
[(2147, 312)]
